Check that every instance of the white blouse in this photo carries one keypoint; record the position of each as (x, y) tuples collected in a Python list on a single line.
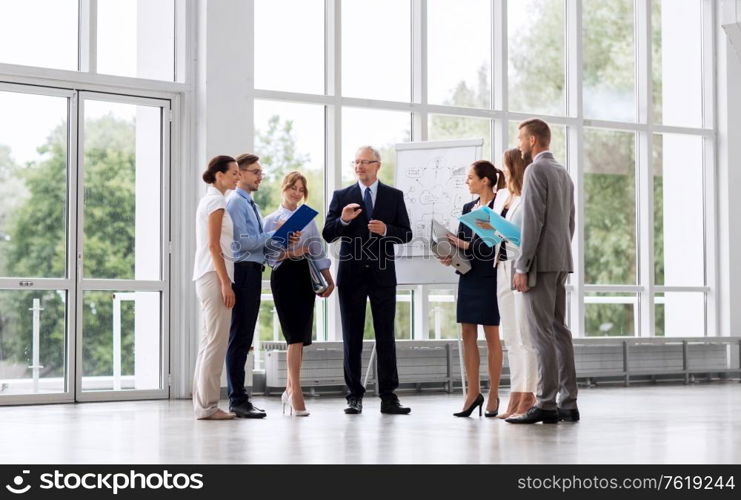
[(309, 236), (204, 263)]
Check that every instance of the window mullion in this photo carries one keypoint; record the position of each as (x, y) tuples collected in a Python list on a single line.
[(419, 69), (87, 36), (575, 157), (499, 77), (644, 168), (333, 135)]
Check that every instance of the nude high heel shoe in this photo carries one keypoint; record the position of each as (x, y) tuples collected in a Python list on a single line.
[(285, 400), (299, 413)]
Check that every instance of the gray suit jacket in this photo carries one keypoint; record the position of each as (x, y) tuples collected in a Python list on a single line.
[(547, 208)]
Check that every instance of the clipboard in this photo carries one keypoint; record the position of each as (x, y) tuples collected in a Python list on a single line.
[(296, 222), (441, 247)]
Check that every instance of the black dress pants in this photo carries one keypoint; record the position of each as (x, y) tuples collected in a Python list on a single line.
[(383, 307), (247, 287)]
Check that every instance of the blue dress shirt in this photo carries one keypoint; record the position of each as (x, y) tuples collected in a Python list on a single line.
[(249, 240)]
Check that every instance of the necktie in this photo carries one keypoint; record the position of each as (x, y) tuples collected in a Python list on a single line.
[(257, 215), (368, 203)]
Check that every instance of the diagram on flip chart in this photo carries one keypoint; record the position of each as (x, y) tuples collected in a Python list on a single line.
[(432, 176)]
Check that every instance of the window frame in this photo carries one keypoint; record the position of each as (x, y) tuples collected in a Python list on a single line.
[(573, 119)]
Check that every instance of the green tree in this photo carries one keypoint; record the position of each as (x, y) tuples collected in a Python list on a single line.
[(276, 146), (38, 239)]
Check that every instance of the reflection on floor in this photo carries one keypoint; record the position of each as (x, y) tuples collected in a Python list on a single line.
[(650, 424)]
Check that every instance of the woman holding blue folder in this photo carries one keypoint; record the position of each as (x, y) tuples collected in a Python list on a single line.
[(291, 285), (477, 293)]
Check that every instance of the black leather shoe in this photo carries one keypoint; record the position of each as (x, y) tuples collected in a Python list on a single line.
[(392, 406), (568, 415), (247, 410), (354, 406), (535, 415)]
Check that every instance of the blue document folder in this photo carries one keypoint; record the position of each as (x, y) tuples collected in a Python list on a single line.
[(503, 229), (295, 222)]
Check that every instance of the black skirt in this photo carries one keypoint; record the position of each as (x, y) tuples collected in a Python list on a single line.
[(477, 299), (294, 300)]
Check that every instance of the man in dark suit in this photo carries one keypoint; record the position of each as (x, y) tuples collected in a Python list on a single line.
[(369, 218)]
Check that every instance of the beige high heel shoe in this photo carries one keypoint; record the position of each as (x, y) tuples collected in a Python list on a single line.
[(299, 413)]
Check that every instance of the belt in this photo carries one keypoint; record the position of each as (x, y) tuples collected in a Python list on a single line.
[(251, 264)]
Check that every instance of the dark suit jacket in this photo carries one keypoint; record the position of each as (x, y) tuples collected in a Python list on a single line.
[(360, 249), (479, 254)]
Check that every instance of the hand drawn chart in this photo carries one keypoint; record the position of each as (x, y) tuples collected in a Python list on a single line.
[(432, 176)]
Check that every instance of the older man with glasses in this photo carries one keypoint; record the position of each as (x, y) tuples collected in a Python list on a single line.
[(369, 218)]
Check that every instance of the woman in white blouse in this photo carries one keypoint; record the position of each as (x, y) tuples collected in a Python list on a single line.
[(523, 367), (213, 273), (291, 285)]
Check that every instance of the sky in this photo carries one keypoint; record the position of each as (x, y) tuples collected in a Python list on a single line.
[(51, 41)]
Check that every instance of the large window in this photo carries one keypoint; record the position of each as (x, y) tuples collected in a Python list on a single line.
[(131, 38), (376, 37), (623, 84), (54, 34)]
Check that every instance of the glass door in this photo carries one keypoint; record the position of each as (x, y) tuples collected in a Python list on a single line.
[(36, 266), (123, 248), (84, 246)]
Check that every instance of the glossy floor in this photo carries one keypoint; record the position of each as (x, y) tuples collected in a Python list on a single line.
[(650, 424)]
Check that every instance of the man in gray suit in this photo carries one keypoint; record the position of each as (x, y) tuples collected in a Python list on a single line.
[(544, 263)]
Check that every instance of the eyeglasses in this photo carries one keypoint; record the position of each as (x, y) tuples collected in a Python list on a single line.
[(258, 173), (365, 163)]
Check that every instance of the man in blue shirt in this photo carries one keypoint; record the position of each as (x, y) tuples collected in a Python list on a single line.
[(249, 262)]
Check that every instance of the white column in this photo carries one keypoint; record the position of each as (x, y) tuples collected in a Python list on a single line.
[(223, 121), (729, 176), (226, 78)]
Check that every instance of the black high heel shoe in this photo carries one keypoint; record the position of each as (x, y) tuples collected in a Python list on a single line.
[(493, 413), (479, 401)]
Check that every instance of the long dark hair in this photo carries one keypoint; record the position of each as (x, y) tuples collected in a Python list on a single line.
[(217, 164), (485, 169)]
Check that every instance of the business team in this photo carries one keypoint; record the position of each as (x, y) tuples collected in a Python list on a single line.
[(523, 287)]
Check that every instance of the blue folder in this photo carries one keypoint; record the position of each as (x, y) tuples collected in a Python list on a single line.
[(295, 222), (503, 229)]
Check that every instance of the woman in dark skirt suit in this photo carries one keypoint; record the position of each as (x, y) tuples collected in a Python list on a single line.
[(290, 282), (477, 293)]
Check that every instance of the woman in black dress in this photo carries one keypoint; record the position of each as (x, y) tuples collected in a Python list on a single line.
[(477, 293), (290, 283)]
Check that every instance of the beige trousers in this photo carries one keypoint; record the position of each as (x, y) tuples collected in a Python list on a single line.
[(212, 350), (523, 364)]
